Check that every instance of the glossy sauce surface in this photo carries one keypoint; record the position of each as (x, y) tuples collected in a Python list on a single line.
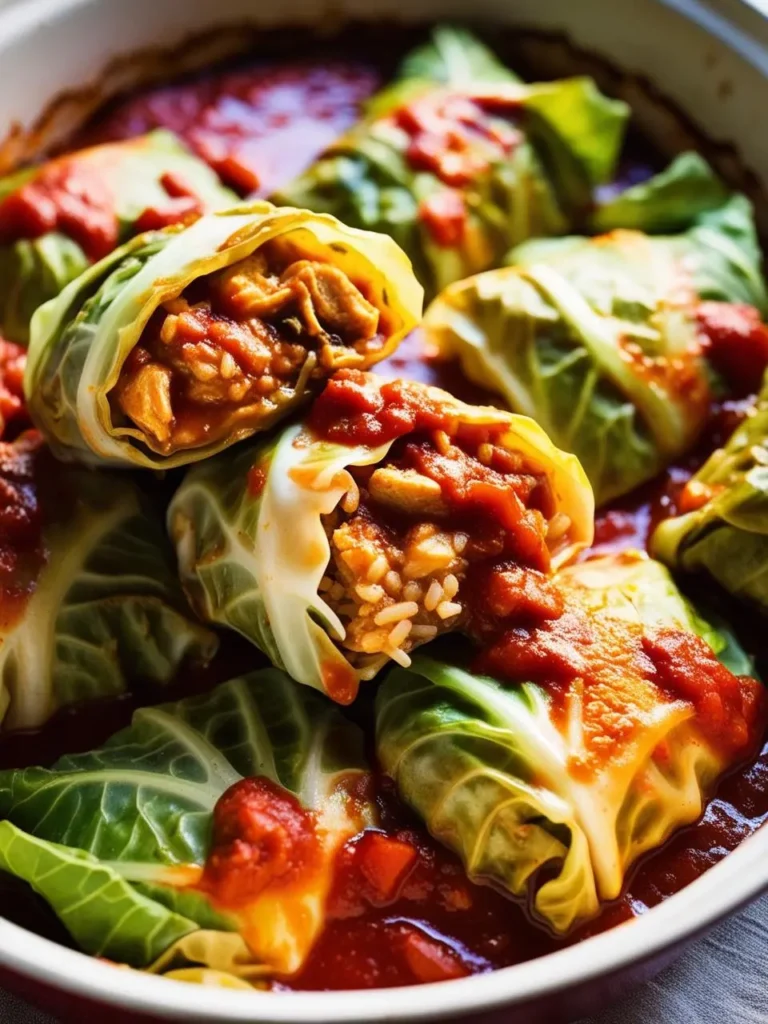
[(259, 127), (402, 910)]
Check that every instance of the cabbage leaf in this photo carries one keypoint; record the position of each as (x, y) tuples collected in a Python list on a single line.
[(666, 203), (454, 56), (498, 774), (599, 341), (115, 839), (94, 606), (33, 270), (723, 530), (559, 141)]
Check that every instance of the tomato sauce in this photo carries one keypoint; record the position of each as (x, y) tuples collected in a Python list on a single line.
[(457, 137), (13, 408), (72, 196), (69, 196), (735, 340), (258, 127), (262, 836)]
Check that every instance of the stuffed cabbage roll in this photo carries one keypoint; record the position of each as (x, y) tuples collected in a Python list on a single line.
[(604, 731), (722, 528), (57, 219), (618, 344), (218, 823), (187, 340), (89, 596), (667, 203), (458, 172), (377, 524)]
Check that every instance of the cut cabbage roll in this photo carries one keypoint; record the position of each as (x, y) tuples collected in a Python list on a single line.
[(374, 526), (89, 596), (603, 732), (723, 526), (616, 344), (57, 219), (460, 168), (187, 340), (202, 836)]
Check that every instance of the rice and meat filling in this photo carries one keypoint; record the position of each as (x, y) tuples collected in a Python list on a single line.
[(418, 539), (238, 344)]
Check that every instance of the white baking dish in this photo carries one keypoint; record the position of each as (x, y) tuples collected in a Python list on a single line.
[(711, 62)]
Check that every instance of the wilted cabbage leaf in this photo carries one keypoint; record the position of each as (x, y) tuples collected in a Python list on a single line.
[(89, 594), (723, 528), (602, 340), (666, 203), (118, 185), (116, 840), (532, 784), (453, 56), (126, 369)]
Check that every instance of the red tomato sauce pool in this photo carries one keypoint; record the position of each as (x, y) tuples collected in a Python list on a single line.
[(257, 127)]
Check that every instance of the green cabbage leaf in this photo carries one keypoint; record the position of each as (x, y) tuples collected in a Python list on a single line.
[(33, 270), (666, 203), (561, 141), (94, 604), (498, 774), (82, 339), (115, 839), (252, 546), (725, 534), (598, 338)]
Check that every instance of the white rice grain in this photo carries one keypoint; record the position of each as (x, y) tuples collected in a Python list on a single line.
[(392, 583), (398, 654), (377, 569), (396, 612), (423, 632), (447, 609), (434, 596), (400, 633)]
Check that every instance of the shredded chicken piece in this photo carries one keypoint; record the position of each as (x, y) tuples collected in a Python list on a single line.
[(408, 491), (325, 298), (326, 295), (146, 399)]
